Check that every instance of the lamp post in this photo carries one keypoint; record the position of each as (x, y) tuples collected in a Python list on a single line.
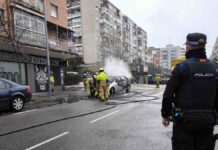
[(47, 48)]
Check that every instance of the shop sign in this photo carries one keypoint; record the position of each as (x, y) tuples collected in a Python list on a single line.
[(43, 61), (30, 59), (11, 57)]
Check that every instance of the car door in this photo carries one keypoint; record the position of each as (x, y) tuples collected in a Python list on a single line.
[(119, 84), (4, 93)]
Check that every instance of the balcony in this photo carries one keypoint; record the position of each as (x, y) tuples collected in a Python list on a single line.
[(77, 50), (34, 5), (77, 34), (105, 32), (59, 45), (74, 15), (105, 16), (74, 24), (73, 5)]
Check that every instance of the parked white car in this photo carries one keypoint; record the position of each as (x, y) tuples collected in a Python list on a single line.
[(118, 84)]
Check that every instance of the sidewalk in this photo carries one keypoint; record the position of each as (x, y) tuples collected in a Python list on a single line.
[(69, 95)]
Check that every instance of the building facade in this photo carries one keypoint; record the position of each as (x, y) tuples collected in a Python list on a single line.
[(183, 51), (167, 54), (214, 54), (23, 41), (103, 31)]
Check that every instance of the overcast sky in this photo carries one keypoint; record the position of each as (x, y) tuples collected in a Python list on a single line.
[(169, 21)]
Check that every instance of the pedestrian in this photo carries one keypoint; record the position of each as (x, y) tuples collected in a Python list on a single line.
[(102, 80), (191, 94), (52, 82)]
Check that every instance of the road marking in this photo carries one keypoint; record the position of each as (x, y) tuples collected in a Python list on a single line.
[(47, 141), (25, 111), (104, 117)]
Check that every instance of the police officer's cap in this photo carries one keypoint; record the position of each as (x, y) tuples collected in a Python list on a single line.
[(196, 39)]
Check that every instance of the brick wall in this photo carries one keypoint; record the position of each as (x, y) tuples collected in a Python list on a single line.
[(61, 20)]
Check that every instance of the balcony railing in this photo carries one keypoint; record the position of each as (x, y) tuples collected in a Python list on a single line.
[(61, 45), (31, 4), (77, 50), (27, 37), (71, 24), (74, 15), (73, 4)]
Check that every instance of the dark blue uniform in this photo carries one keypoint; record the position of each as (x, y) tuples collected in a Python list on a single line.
[(192, 88)]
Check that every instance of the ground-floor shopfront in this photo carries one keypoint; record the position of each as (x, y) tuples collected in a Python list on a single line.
[(32, 70)]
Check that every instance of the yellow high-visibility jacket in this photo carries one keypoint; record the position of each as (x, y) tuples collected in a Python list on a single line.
[(52, 79), (157, 78), (102, 76)]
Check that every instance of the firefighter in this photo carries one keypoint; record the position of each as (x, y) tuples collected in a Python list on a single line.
[(157, 80), (192, 93), (102, 79), (96, 84), (89, 86), (84, 78)]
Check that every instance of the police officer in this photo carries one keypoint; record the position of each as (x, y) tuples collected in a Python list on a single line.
[(192, 91)]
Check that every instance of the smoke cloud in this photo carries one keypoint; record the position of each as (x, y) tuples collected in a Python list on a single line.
[(117, 67)]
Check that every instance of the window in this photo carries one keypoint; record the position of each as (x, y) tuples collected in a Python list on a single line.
[(29, 29), (7, 85), (1, 17), (40, 27), (18, 20), (54, 11), (2, 85)]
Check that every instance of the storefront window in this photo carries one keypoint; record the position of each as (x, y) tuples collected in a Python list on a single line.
[(10, 71)]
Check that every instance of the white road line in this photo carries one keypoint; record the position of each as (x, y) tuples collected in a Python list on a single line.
[(104, 117), (25, 111), (47, 141)]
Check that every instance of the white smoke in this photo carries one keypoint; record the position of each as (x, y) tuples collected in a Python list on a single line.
[(117, 67)]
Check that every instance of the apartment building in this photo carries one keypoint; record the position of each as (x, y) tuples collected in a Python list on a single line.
[(183, 51), (23, 41), (102, 30), (167, 54), (153, 57), (214, 54)]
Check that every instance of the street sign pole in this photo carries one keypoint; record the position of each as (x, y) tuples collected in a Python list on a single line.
[(47, 48)]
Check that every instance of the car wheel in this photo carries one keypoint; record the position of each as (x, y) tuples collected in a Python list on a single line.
[(127, 89), (17, 103)]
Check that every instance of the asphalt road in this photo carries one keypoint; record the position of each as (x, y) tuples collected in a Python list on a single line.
[(124, 127)]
